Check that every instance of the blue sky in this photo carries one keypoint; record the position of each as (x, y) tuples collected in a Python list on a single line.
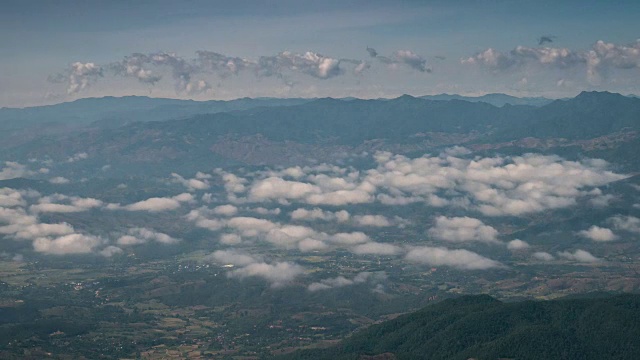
[(314, 48)]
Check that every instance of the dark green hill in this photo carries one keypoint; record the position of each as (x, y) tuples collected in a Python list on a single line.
[(481, 327), (588, 115)]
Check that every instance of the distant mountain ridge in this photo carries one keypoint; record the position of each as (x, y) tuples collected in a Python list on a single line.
[(112, 111), (321, 128), (498, 100)]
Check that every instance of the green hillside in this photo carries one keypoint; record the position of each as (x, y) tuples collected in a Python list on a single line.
[(482, 327)]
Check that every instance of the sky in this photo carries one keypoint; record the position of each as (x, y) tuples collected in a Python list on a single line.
[(56, 51)]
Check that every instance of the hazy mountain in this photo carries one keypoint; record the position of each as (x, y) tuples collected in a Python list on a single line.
[(590, 114), (493, 99), (321, 128), (115, 111), (480, 327)]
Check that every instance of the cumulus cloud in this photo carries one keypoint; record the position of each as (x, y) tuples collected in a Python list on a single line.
[(376, 248), (309, 63), (140, 235), (402, 57), (278, 274), (579, 256), (522, 55), (309, 245), (461, 229), (188, 73), (221, 64), (597, 61), (597, 233), (110, 251), (231, 257), (412, 60), (544, 256), (517, 244), (230, 239), (202, 218), (12, 170), (372, 220), (158, 204), (341, 281), (319, 214), (459, 259), (352, 238), (326, 284), (323, 189), (251, 227), (496, 186), (58, 203), (38, 230), (79, 76), (225, 210), (78, 157), (288, 236), (67, 244), (278, 188), (11, 198), (191, 184), (626, 223), (59, 180)]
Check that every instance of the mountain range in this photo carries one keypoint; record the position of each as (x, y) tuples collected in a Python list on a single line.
[(296, 131)]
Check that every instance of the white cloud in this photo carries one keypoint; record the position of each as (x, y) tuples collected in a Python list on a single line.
[(461, 229), (11, 198), (250, 226), (460, 259), (278, 274), (626, 223), (78, 157), (140, 235), (495, 186), (230, 239), (81, 75), (544, 256), (579, 256), (67, 244), (192, 184), (158, 204), (352, 238), (308, 245), (59, 180), (277, 188), (224, 257), (110, 251), (376, 248), (412, 60), (319, 214), (225, 210), (264, 211), (372, 220), (597, 233), (341, 281), (597, 62), (58, 203), (517, 244), (201, 218), (289, 235), (33, 231), (14, 170)]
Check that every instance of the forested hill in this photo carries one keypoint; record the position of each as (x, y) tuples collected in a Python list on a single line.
[(481, 327)]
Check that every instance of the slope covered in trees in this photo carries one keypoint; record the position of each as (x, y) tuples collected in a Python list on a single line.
[(482, 327)]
